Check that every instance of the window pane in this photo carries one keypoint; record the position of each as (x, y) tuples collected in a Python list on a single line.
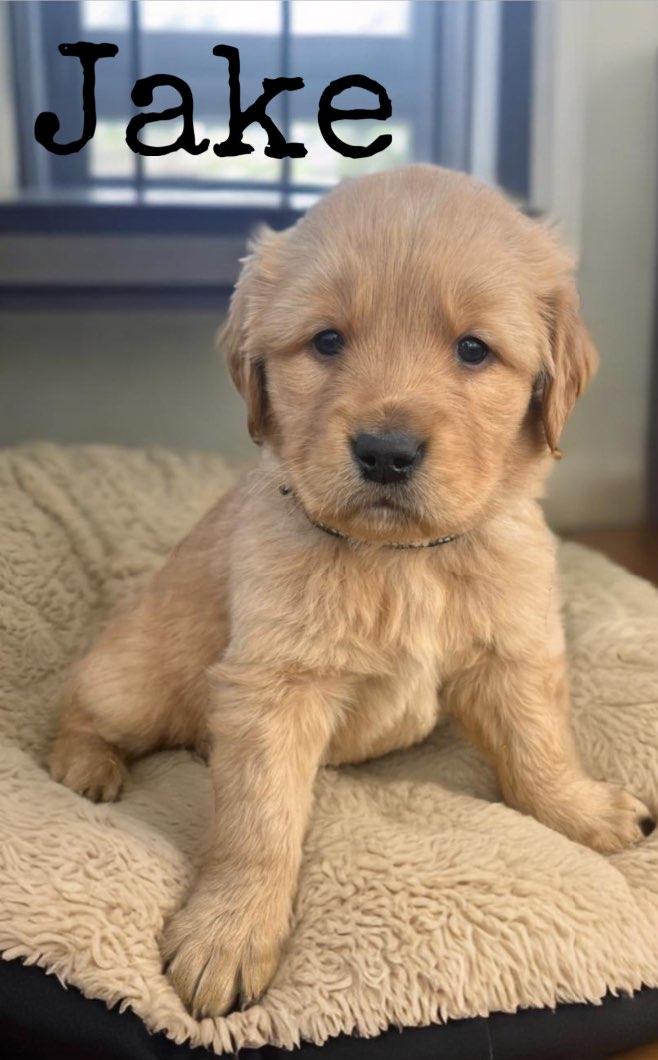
[(109, 154), (322, 165), (378, 39), (180, 165), (219, 197), (106, 155), (105, 14), (191, 59), (363, 18), (198, 16)]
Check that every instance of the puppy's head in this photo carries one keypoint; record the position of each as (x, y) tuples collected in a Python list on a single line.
[(411, 350)]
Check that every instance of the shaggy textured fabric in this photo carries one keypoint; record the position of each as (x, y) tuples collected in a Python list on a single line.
[(422, 897)]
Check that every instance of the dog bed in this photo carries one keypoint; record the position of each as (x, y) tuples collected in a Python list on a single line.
[(422, 897)]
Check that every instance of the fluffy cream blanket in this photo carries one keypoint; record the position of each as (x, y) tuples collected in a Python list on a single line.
[(422, 897)]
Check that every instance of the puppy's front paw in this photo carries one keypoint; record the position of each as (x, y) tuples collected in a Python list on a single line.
[(88, 765), (625, 821), (216, 953), (604, 817)]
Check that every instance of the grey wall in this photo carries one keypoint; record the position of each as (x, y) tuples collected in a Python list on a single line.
[(132, 377)]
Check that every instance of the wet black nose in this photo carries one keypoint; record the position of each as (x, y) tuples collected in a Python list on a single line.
[(387, 457)]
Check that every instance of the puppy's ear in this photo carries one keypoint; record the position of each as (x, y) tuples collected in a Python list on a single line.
[(245, 363), (570, 363)]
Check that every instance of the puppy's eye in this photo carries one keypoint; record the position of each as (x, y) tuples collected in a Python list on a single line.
[(328, 343), (471, 350)]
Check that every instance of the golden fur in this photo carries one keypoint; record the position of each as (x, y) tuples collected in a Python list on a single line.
[(277, 647)]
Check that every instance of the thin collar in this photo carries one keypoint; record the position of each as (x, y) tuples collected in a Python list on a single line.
[(399, 546)]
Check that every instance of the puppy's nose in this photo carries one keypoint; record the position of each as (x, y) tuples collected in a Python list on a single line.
[(387, 457)]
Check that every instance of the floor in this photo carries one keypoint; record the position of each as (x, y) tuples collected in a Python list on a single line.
[(637, 550)]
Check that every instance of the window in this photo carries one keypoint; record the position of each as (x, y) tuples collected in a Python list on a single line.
[(458, 76)]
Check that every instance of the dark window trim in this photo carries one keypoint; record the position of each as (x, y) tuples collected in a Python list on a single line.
[(49, 216), (91, 298), (515, 104)]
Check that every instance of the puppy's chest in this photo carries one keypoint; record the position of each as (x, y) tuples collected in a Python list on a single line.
[(395, 621)]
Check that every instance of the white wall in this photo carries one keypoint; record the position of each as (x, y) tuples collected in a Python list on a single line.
[(602, 478)]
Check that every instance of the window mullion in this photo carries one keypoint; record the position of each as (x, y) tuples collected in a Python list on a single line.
[(135, 74), (61, 22), (285, 48)]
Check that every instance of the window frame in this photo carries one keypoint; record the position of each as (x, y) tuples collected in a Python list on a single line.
[(42, 174), (447, 31)]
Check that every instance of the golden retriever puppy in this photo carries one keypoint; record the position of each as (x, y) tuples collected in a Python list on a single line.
[(408, 353)]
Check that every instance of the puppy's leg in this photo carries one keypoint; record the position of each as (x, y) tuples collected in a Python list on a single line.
[(83, 760), (269, 733), (518, 713), (127, 697), (143, 684)]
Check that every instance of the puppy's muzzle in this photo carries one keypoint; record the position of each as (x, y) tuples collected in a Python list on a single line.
[(387, 457)]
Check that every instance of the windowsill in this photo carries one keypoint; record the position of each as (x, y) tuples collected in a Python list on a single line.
[(118, 211), (118, 247)]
